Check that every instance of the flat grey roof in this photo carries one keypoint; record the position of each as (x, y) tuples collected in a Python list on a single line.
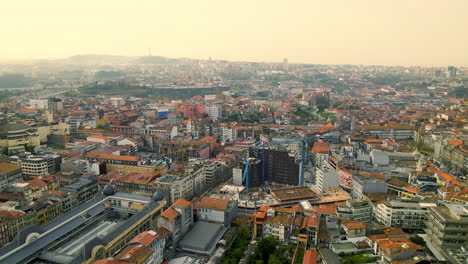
[(201, 235), (132, 196)]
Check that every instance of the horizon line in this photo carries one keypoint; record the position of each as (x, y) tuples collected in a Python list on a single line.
[(4, 60)]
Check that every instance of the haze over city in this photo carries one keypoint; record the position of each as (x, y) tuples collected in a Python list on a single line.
[(398, 32), (240, 132)]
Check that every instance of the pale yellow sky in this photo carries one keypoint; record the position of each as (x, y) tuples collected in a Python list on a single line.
[(392, 32)]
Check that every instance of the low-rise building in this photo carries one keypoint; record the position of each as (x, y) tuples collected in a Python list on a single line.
[(154, 241), (398, 249), (364, 184), (15, 136), (37, 165), (359, 210), (216, 210), (354, 229), (287, 225), (185, 184), (9, 173), (177, 219), (81, 190)]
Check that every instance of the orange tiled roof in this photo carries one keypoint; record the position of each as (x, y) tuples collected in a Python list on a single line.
[(37, 183), (320, 147), (217, 204), (264, 208), (9, 215), (310, 257), (456, 143), (145, 238), (449, 178), (260, 215), (314, 220), (411, 189), (354, 225), (26, 110), (326, 208), (170, 214), (102, 155), (392, 246), (181, 202), (100, 137)]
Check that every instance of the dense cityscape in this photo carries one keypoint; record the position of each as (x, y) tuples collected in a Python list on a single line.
[(113, 159)]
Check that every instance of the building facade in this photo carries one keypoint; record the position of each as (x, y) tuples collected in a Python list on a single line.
[(406, 214)]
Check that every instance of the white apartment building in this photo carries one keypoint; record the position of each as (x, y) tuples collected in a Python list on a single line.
[(214, 111), (406, 214), (184, 185), (227, 134), (39, 103), (35, 165), (325, 178)]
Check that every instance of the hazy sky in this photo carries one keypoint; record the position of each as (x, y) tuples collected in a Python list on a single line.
[(395, 32)]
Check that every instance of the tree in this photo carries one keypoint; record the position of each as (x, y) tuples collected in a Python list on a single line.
[(7, 100), (221, 96), (274, 260), (243, 232), (266, 246)]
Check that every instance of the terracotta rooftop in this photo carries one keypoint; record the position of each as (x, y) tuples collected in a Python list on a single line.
[(181, 202), (102, 155), (456, 143), (213, 203), (137, 254), (351, 225), (314, 220), (320, 147), (393, 246), (99, 137), (145, 238), (170, 214), (310, 257)]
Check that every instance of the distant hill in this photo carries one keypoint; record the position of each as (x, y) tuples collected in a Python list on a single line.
[(96, 59)]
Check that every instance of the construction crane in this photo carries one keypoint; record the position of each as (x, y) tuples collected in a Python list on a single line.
[(245, 176), (65, 139), (182, 154)]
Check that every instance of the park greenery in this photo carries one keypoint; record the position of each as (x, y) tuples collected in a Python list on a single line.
[(358, 259), (328, 115), (270, 251), (300, 256), (421, 147), (240, 244), (236, 117), (123, 88)]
